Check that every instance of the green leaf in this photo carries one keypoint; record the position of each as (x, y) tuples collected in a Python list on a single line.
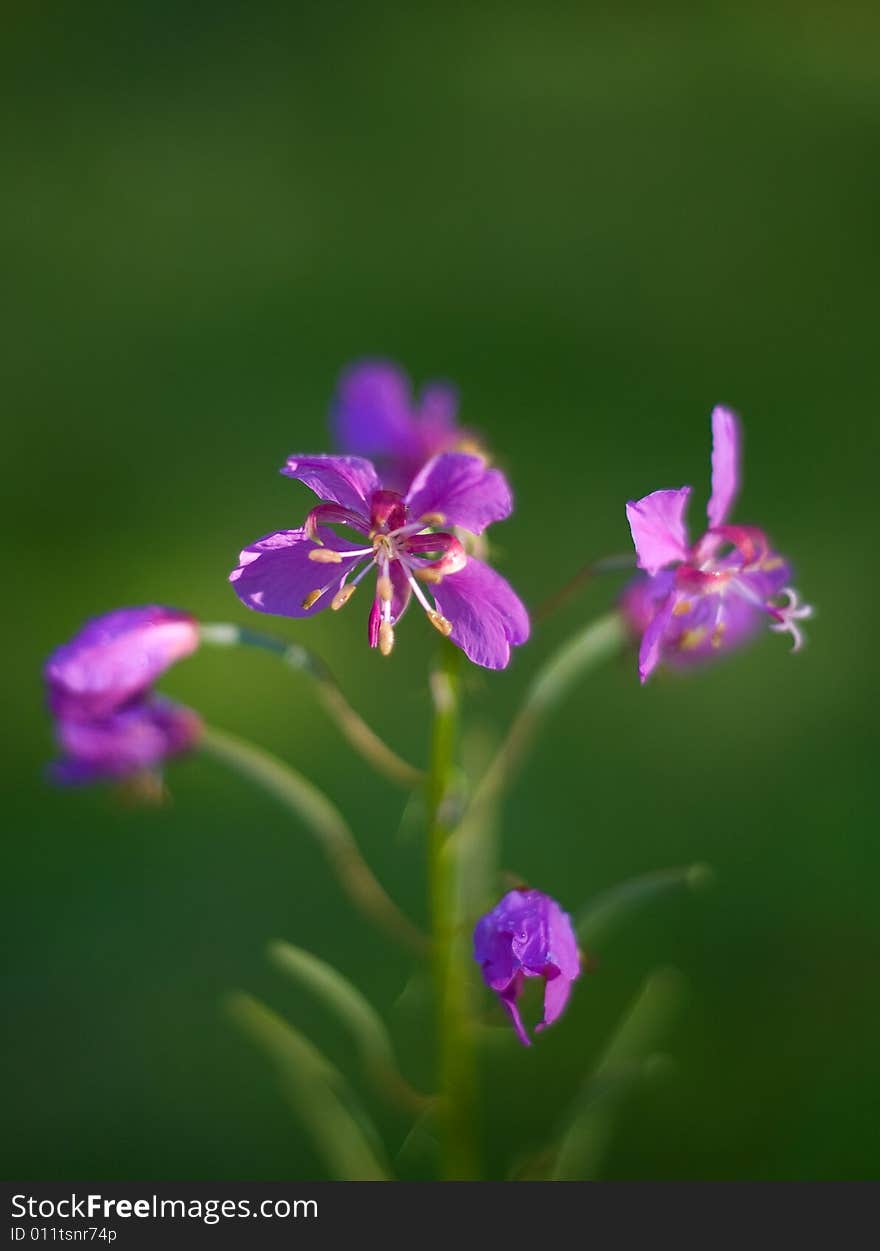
[(357, 1015), (629, 1060), (340, 1130), (607, 911)]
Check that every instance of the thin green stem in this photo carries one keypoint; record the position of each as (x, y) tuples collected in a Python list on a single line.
[(360, 736), (326, 825), (576, 657), (456, 1072)]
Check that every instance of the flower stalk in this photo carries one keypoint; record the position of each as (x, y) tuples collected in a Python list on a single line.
[(450, 956), (325, 823), (354, 728)]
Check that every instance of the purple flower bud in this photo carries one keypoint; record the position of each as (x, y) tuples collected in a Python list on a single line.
[(527, 935), (108, 722)]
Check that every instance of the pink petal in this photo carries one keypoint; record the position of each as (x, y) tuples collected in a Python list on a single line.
[(726, 448), (275, 574), (487, 615), (345, 480), (463, 490), (658, 528)]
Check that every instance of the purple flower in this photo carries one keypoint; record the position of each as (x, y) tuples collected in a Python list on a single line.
[(528, 935), (296, 573), (702, 599), (117, 657), (375, 414), (131, 741), (108, 722)]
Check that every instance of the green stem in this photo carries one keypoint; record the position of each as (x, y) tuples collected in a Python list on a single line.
[(360, 736), (326, 825), (456, 1074), (576, 657)]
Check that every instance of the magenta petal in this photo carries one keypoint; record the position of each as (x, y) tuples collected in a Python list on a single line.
[(463, 490), (116, 657), (139, 737), (658, 528), (438, 407), (345, 480), (487, 615), (726, 448), (651, 649), (509, 1000), (372, 411), (557, 991), (402, 591), (275, 574)]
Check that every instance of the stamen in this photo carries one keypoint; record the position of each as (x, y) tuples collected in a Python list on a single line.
[(433, 519), (325, 556), (440, 623), (428, 574), (386, 638), (384, 588), (313, 596), (342, 596)]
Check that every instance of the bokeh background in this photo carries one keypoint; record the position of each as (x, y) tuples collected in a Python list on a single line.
[(599, 221)]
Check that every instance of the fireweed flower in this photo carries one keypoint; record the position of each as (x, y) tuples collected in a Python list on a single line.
[(109, 723), (297, 573), (528, 935), (702, 599), (375, 414)]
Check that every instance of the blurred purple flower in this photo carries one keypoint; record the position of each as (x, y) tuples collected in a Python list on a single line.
[(108, 722), (697, 601), (296, 573), (375, 414), (527, 935)]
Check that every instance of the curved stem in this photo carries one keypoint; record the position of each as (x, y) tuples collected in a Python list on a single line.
[(609, 564), (457, 1080), (324, 822), (568, 664), (360, 736)]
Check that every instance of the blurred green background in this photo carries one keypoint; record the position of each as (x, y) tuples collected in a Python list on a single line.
[(599, 221)]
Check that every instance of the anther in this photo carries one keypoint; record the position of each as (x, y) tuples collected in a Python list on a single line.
[(386, 638), (429, 575), (440, 623), (384, 588), (342, 596), (325, 556), (313, 597), (433, 519)]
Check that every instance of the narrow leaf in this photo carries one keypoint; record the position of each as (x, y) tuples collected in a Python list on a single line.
[(357, 1015), (607, 911), (340, 1130), (629, 1060)]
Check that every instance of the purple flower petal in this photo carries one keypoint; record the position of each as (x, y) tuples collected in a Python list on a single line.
[(509, 999), (276, 574), (487, 616), (658, 528), (372, 411), (557, 991), (462, 490), (438, 409), (651, 649), (116, 657), (139, 737), (345, 480), (726, 447)]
